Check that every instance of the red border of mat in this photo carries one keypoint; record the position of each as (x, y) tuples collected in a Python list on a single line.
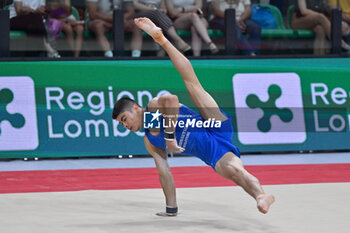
[(142, 178)]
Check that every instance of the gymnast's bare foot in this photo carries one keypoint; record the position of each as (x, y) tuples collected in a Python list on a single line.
[(264, 202), (151, 29)]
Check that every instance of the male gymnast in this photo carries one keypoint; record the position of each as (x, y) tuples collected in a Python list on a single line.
[(213, 146)]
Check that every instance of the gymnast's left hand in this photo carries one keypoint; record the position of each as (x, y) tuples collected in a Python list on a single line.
[(172, 147)]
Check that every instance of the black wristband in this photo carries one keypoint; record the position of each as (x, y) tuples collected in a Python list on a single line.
[(171, 210), (169, 136)]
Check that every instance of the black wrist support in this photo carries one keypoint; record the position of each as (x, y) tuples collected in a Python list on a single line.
[(169, 136), (171, 210)]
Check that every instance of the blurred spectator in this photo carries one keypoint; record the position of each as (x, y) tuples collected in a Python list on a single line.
[(188, 15), (61, 19), (244, 25), (101, 21), (344, 5), (155, 10), (136, 40), (28, 16), (309, 14)]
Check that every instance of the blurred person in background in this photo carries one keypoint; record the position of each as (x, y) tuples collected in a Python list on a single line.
[(28, 16), (344, 5), (101, 21), (61, 19), (188, 15), (156, 11), (248, 32), (310, 14)]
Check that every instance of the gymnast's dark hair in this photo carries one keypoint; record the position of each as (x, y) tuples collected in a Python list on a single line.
[(123, 104)]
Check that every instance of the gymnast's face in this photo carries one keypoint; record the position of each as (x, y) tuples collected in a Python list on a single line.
[(131, 119)]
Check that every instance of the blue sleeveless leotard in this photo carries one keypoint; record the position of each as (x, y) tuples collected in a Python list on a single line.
[(208, 144)]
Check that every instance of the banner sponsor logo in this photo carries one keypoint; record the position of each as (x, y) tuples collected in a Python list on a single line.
[(269, 108), (333, 116), (18, 119), (80, 114)]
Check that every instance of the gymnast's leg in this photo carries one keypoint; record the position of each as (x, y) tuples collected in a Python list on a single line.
[(205, 103)]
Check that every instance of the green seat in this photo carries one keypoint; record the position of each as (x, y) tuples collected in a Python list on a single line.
[(281, 31), (305, 34), (290, 15), (184, 33), (276, 13), (18, 35), (300, 32), (277, 33), (215, 33), (75, 13), (211, 32)]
